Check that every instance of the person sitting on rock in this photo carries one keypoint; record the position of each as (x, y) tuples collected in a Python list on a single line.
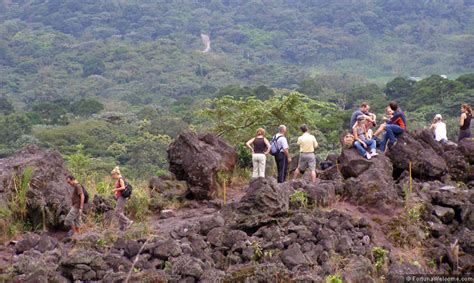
[(386, 119), (465, 122), (308, 144), (260, 147), (74, 217), (439, 127), (362, 142), (282, 157), (363, 110), (124, 222), (395, 126)]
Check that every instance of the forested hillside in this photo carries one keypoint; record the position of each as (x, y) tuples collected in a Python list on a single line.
[(117, 80)]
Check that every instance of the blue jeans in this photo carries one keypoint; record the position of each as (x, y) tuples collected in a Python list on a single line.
[(370, 144), (390, 132)]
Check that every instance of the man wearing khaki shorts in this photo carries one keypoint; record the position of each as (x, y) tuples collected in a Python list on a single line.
[(73, 218), (308, 144)]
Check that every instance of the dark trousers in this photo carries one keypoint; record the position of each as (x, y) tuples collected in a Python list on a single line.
[(282, 165), (464, 134)]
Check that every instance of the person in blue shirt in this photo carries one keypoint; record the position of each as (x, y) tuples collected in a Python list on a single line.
[(283, 157), (396, 125), (363, 110)]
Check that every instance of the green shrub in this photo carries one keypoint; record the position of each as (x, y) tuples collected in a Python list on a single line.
[(333, 278), (380, 256), (299, 198)]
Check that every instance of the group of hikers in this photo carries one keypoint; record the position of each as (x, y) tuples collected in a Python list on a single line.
[(78, 199), (361, 136)]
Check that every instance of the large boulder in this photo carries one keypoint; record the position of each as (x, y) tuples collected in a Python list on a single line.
[(48, 196), (466, 146), (352, 164), (198, 159), (265, 199), (370, 182), (426, 163)]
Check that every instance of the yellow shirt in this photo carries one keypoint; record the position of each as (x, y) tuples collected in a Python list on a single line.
[(307, 143)]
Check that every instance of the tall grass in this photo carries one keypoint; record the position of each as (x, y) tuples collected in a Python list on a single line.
[(13, 216), (18, 201)]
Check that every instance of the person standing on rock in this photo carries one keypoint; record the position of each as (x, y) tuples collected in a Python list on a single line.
[(465, 122), (363, 110), (124, 222), (308, 144), (395, 126), (73, 218), (362, 141), (260, 147), (439, 127), (280, 149)]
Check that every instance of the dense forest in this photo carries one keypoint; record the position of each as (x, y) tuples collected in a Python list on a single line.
[(115, 81)]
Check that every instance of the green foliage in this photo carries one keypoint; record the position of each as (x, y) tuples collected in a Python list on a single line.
[(6, 107), (13, 127), (299, 198), (168, 266), (467, 80), (244, 156), (257, 251), (14, 215), (333, 278), (79, 163), (137, 206), (380, 257), (86, 107), (93, 66), (49, 114), (237, 119)]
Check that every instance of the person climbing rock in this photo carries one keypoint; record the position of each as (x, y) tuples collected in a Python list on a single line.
[(260, 147), (362, 142), (279, 148), (465, 122), (73, 218), (439, 128), (308, 144), (394, 127), (124, 222)]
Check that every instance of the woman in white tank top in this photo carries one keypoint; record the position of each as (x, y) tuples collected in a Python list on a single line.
[(440, 132)]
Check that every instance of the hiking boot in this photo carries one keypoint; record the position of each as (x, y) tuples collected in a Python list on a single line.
[(368, 156)]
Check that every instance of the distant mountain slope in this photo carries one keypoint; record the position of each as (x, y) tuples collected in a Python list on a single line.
[(141, 50)]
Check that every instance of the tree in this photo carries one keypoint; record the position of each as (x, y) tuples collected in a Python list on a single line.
[(13, 127), (6, 107), (50, 114), (93, 66), (86, 107), (399, 88), (237, 119), (467, 80)]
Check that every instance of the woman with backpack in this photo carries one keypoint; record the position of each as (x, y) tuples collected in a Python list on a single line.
[(260, 147), (120, 186)]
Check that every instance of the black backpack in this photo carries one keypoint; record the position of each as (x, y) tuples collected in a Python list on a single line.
[(127, 192), (85, 193)]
